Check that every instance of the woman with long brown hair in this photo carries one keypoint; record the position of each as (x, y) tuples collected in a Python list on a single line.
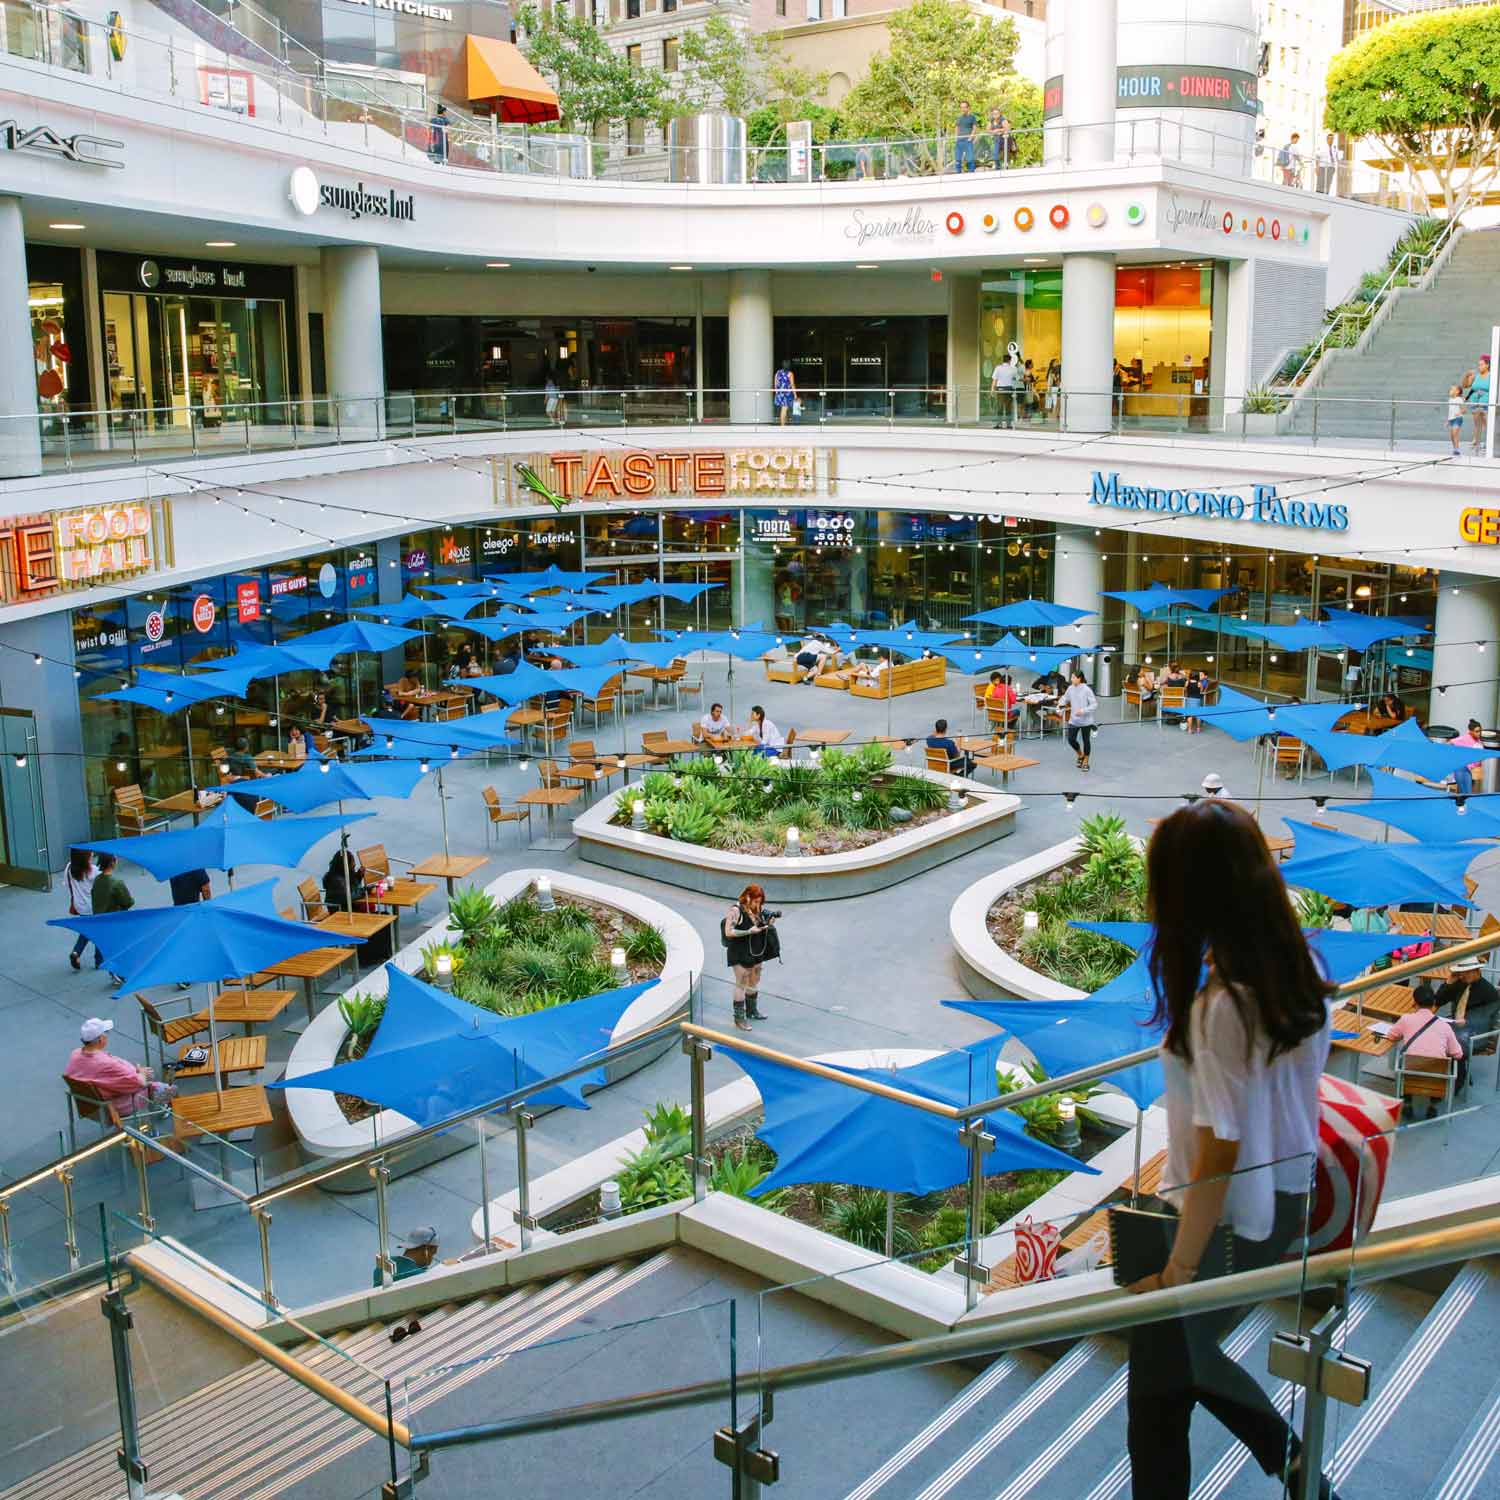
[(1246, 1019), (749, 939)]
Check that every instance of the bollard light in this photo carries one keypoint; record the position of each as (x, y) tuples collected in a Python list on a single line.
[(617, 963), (1068, 1134), (1029, 921), (609, 1200), (638, 814), (544, 899), (442, 970), (955, 795), (793, 840)]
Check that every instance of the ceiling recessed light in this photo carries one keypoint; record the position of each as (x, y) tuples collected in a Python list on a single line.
[(865, 265), (1035, 260), (497, 265), (65, 226), (219, 244), (679, 268)]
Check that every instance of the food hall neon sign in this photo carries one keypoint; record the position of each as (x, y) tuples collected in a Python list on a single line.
[(1264, 508)]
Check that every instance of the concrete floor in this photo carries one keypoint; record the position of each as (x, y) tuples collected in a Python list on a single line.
[(862, 972)]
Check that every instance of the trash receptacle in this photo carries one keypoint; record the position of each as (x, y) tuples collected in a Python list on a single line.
[(1107, 669)]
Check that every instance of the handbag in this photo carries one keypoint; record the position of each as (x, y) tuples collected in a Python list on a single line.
[(1140, 1242), (796, 407)]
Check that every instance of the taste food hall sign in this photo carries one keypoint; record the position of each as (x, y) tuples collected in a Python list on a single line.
[(653, 474), (58, 551)]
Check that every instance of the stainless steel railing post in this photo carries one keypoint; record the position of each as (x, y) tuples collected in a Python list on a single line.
[(522, 1122), (70, 1221), (699, 1053), (267, 1286), (980, 1143), (139, 1152), (484, 1180), (381, 1173)]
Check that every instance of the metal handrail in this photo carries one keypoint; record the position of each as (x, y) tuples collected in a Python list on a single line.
[(1333, 1268), (66, 1163), (399, 1146)]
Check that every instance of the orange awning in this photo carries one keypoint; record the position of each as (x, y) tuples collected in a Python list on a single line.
[(500, 77)]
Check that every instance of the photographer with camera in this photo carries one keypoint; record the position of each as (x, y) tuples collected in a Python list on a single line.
[(749, 935)]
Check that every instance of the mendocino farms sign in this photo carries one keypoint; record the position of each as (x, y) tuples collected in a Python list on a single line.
[(644, 474), (911, 228)]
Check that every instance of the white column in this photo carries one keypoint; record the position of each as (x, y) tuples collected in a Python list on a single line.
[(1088, 341), (352, 344), (20, 432), (963, 373), (1089, 83), (1464, 618), (1077, 577), (751, 348)]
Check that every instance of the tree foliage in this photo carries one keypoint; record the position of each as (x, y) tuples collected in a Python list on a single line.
[(594, 85), (941, 55), (741, 72), (1428, 89)]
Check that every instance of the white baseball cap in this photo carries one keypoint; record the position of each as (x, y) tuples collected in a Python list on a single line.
[(1213, 782), (94, 1028)]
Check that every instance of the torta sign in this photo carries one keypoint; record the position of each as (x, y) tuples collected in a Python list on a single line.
[(644, 473)]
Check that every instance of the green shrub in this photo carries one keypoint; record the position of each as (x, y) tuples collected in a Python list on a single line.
[(1314, 909), (644, 944), (859, 1217), (667, 1122), (532, 966), (690, 823), (473, 913), (654, 1175), (362, 1013), (739, 1172), (915, 793), (1261, 400)]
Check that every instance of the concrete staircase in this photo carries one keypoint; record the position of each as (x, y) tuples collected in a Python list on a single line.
[(1031, 1427), (1424, 346)]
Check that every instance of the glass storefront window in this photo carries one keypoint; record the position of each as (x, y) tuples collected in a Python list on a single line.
[(695, 531), (620, 534)]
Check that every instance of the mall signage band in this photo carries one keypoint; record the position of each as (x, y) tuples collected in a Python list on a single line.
[(1264, 508), (644, 474), (62, 550)]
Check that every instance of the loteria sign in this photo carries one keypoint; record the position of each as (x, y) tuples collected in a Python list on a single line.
[(57, 551), (646, 474)]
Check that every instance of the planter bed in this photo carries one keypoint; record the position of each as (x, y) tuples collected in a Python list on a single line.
[(988, 814), (323, 1132)]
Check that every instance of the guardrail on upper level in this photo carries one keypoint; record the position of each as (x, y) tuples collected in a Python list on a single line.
[(246, 74), (71, 441)]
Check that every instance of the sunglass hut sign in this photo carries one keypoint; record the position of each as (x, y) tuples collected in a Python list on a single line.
[(1264, 507)]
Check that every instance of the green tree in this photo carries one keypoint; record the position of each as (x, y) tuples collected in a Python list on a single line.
[(941, 55), (1428, 89), (594, 85), (725, 68)]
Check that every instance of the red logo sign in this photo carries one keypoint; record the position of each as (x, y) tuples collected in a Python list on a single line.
[(156, 625), (247, 601), (204, 613)]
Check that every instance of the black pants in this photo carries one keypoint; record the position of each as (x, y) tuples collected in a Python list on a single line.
[(1178, 1364), (1081, 739)]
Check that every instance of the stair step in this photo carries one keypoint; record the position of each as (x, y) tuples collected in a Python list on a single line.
[(1473, 1467)]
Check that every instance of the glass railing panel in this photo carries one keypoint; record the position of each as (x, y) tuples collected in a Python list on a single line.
[(934, 1424), (554, 1345)]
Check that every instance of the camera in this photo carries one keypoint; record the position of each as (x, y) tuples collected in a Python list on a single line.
[(769, 916)]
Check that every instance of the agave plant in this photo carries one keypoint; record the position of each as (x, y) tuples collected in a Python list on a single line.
[(472, 913), (667, 1122), (362, 1013)]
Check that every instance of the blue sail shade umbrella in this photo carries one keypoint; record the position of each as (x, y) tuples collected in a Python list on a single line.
[(1405, 748), (1158, 597), (1361, 873), (822, 1131), (1011, 651), (435, 1056), (550, 577), (745, 644), (360, 635), (1427, 814), (224, 839), (415, 607), (229, 937), (320, 781), (1364, 631), (1027, 613)]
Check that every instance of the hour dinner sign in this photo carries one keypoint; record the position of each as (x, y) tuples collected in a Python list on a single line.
[(664, 473)]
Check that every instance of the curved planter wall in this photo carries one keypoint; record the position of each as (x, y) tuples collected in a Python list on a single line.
[(323, 1132), (989, 972), (812, 877)]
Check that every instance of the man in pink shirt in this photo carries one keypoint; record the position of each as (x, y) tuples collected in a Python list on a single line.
[(1424, 1033), (1463, 778), (123, 1084)]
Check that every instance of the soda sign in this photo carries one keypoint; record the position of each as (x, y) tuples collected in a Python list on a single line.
[(205, 611)]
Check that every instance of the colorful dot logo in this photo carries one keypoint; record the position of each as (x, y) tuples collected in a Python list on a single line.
[(1097, 216), (1228, 223), (989, 223), (1024, 219), (1057, 216), (1260, 229), (1275, 229), (955, 223), (1135, 215)]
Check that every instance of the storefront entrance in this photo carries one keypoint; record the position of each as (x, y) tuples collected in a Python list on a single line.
[(174, 357)]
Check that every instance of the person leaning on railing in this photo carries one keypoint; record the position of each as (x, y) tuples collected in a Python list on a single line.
[(1247, 1033)]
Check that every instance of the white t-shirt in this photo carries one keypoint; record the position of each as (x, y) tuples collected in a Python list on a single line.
[(1271, 1109), (767, 734), (710, 725), (1004, 376)]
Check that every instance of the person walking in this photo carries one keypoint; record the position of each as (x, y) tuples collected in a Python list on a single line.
[(963, 145), (1456, 416), (110, 894), (80, 877), (1080, 709), (1003, 381), (784, 391), (1289, 161), (750, 938), (1004, 139), (1246, 1018)]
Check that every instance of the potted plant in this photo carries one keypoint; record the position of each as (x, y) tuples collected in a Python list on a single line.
[(1261, 409)]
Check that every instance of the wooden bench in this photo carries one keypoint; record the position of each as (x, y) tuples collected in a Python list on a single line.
[(1092, 1224), (909, 677), (783, 670)]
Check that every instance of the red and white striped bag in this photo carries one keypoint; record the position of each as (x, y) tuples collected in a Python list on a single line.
[(1354, 1153), (1036, 1250)]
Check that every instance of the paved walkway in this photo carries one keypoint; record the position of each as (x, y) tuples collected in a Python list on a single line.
[(857, 973)]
